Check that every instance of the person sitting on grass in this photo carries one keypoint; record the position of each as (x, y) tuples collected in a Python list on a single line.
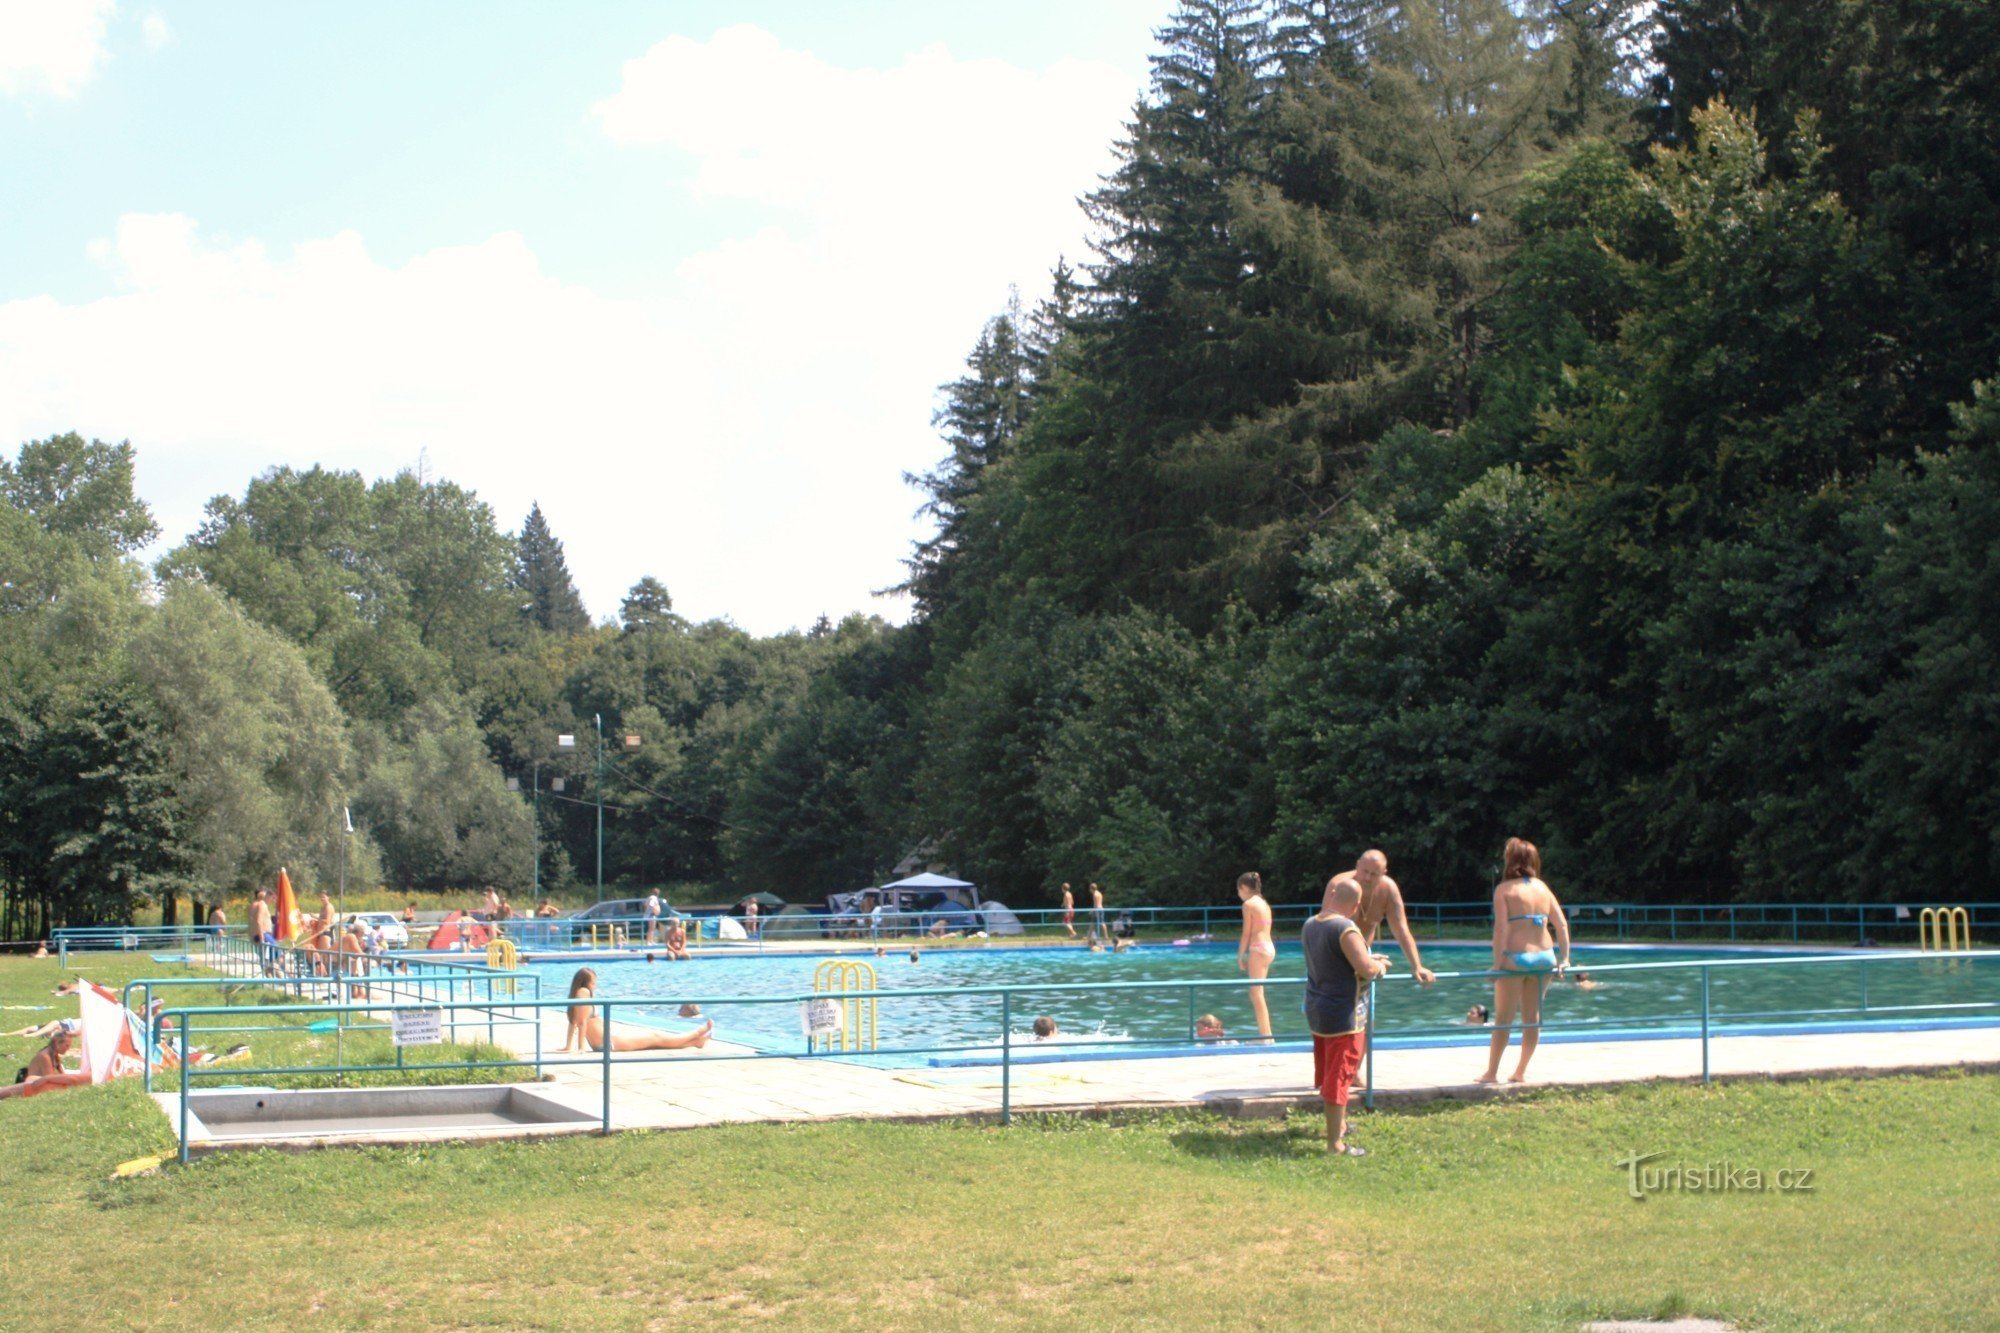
[(586, 1027), (45, 1070)]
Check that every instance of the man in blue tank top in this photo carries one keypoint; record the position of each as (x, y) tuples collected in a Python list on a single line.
[(1338, 970)]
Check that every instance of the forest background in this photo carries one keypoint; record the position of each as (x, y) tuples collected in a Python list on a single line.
[(1577, 419)]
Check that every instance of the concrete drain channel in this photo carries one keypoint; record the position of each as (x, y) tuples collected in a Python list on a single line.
[(272, 1117)]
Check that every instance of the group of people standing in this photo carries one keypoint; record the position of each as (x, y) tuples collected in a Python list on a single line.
[(1098, 930), (1530, 945)]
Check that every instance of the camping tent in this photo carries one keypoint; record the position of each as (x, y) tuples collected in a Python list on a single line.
[(1000, 919), (458, 926)]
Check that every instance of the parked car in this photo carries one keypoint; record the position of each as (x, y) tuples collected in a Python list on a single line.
[(628, 912), (395, 934)]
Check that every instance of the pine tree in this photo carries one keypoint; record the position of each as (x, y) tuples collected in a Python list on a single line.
[(1168, 266), (648, 606), (981, 416), (541, 572)]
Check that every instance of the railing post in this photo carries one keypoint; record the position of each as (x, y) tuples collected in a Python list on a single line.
[(1007, 1057), (1673, 924), (1864, 985), (184, 1103), (1732, 923), (1860, 924), (1704, 1024), (607, 1067), (1374, 995)]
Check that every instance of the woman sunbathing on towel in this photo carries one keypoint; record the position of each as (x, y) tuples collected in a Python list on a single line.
[(586, 1028)]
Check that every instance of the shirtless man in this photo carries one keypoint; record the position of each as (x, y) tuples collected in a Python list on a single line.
[(353, 960), (1382, 900), (1097, 912), (261, 934), (1069, 911)]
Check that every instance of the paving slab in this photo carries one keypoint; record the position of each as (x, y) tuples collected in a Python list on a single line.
[(677, 1089)]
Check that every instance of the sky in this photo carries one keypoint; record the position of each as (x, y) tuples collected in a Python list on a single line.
[(686, 274)]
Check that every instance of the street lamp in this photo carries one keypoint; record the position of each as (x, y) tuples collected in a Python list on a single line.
[(566, 741), (346, 833), (631, 743)]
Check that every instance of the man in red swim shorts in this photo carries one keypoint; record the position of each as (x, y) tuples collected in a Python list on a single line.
[(1338, 966)]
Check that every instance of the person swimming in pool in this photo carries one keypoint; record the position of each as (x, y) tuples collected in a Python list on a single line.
[(586, 1026), (1255, 952), (1530, 942)]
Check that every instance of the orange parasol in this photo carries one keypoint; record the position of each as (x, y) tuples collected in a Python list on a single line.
[(289, 926)]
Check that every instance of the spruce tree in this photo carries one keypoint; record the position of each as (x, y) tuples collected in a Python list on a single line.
[(541, 572), (982, 413), (648, 606)]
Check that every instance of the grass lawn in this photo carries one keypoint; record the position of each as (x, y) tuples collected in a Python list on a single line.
[(1491, 1215)]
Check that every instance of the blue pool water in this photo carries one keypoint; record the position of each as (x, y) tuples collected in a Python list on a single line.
[(1157, 1014)]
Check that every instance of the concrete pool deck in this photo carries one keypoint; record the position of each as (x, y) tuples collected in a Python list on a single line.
[(684, 1090)]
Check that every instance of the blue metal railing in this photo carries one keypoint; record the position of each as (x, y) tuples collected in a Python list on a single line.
[(1793, 922), (367, 1015)]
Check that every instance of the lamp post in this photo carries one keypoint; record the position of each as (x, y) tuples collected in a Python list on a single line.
[(346, 832), (599, 786), (631, 743), (565, 741)]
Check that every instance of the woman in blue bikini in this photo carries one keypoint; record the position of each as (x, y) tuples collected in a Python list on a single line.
[(1531, 941)]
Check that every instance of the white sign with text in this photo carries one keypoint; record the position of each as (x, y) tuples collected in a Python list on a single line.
[(417, 1027)]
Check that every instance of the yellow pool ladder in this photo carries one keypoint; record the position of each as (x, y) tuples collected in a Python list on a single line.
[(1944, 928), (501, 953), (854, 985)]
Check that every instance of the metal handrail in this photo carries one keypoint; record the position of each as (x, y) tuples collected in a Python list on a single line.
[(1006, 993)]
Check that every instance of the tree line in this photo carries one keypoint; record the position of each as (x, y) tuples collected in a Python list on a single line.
[(1565, 418)]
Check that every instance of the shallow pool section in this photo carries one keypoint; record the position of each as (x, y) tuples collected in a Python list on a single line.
[(1154, 1011)]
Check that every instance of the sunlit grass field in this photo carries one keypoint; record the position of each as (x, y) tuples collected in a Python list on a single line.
[(1491, 1215)]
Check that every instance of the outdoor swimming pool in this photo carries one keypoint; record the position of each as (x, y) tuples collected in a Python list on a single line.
[(1861, 988)]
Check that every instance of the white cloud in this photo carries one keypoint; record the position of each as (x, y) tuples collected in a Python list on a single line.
[(743, 439), (153, 30), (51, 46)]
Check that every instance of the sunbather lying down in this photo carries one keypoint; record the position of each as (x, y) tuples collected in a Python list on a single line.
[(586, 1028)]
